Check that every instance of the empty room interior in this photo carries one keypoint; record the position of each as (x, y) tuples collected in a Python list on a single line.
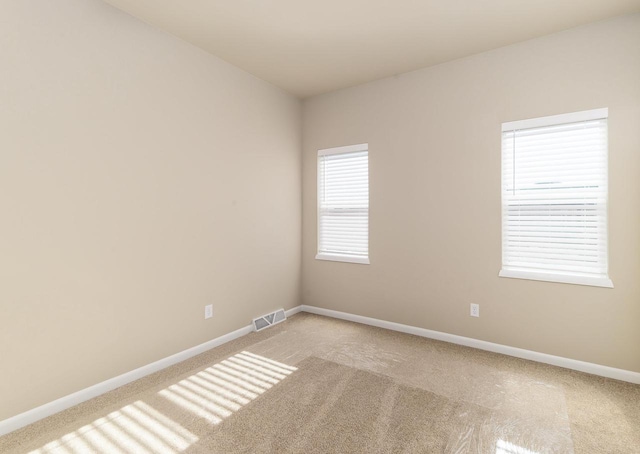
[(356, 226)]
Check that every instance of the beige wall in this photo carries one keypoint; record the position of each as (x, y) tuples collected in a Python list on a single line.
[(435, 247), (140, 179)]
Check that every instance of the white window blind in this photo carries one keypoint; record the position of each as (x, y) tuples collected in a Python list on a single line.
[(554, 199), (343, 204)]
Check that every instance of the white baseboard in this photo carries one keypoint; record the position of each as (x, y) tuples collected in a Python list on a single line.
[(38, 413), (590, 368), (293, 311)]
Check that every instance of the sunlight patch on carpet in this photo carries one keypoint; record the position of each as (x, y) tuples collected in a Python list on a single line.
[(134, 428), (222, 389), (504, 447), (213, 394)]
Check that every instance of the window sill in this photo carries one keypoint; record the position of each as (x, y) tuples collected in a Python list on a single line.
[(343, 258), (559, 278)]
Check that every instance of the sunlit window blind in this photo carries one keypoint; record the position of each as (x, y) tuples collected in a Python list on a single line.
[(554, 198), (343, 204)]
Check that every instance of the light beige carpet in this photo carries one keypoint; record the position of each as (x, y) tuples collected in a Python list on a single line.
[(318, 385)]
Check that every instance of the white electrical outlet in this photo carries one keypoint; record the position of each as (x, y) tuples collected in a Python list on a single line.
[(475, 310), (208, 311)]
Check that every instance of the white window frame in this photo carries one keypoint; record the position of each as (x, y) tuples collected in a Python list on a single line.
[(554, 276), (337, 257)]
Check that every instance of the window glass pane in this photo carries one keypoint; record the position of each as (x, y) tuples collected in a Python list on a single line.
[(554, 198), (343, 203)]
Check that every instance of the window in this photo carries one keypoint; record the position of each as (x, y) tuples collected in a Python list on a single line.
[(343, 204), (554, 199)]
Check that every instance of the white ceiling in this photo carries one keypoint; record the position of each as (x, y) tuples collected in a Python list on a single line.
[(310, 47)]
